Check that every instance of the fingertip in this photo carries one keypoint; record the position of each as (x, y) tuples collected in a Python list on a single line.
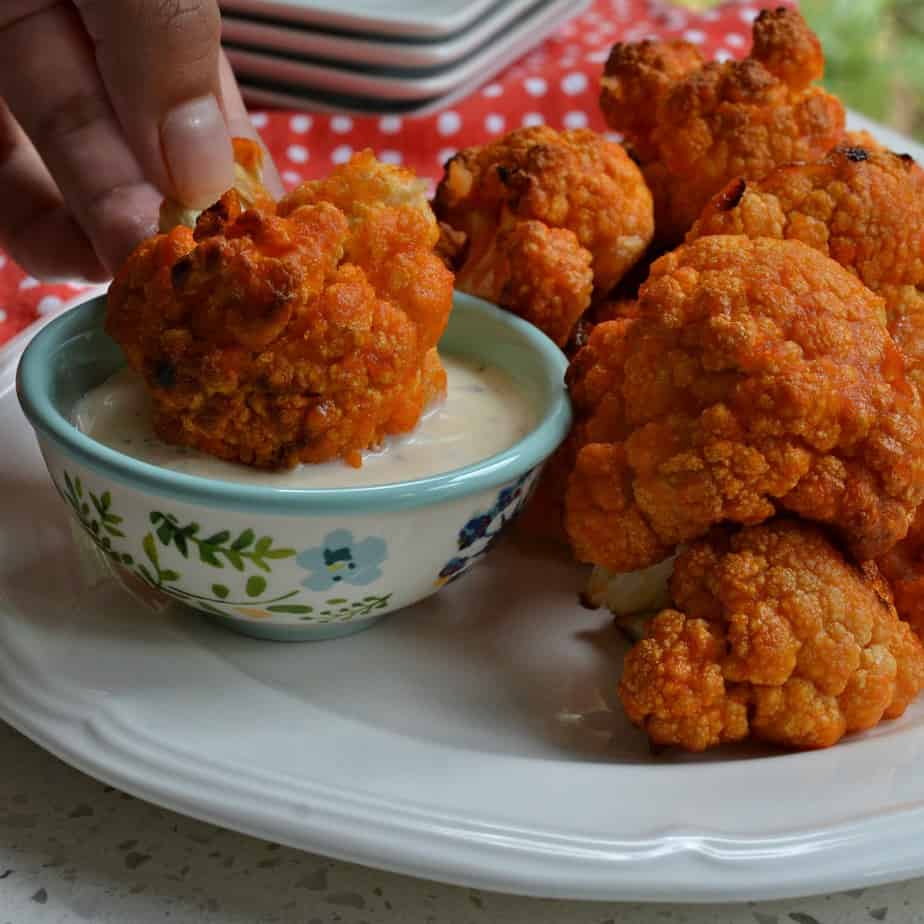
[(197, 151), (122, 220)]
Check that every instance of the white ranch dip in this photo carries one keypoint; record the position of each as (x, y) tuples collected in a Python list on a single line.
[(484, 413)]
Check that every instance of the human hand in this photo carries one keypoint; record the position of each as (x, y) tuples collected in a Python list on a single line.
[(107, 106)]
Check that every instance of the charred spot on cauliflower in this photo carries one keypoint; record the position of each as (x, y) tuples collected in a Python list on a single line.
[(302, 332)]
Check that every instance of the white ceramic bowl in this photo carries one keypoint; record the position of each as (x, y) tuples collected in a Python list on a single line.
[(279, 563)]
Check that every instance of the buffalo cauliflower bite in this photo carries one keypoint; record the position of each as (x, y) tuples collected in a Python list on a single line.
[(759, 375), (903, 567), (298, 333), (597, 418), (862, 207), (696, 125), (775, 636), (548, 219)]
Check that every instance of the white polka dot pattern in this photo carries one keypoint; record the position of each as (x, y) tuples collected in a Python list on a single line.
[(341, 154), (494, 123), (297, 153), (448, 123), (574, 83), (49, 304)]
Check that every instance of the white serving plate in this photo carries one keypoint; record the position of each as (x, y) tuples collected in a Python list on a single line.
[(475, 739), (302, 75), (297, 38), (423, 19)]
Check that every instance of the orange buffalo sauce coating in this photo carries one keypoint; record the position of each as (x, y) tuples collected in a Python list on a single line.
[(301, 331)]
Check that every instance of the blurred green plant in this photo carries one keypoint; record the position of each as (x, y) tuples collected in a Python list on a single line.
[(875, 57), (855, 37)]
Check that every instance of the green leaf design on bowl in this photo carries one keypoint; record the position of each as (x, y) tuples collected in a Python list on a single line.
[(97, 517)]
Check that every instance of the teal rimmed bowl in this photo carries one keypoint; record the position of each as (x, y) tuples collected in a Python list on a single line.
[(277, 563)]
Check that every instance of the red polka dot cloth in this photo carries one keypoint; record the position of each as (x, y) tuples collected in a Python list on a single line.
[(555, 84)]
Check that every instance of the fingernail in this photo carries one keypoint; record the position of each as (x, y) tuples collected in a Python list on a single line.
[(197, 151)]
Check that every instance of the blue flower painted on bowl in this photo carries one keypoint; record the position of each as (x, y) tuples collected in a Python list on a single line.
[(476, 528), (508, 496), (482, 531), (341, 560), (454, 568)]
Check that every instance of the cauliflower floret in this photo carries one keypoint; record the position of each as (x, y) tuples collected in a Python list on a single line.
[(695, 125), (672, 685), (598, 418), (759, 375), (903, 566), (863, 208), (548, 218), (298, 333), (774, 636)]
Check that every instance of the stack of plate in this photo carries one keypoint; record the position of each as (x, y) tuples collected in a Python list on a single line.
[(380, 55)]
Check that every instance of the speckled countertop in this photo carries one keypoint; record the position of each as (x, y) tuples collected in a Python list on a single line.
[(73, 849)]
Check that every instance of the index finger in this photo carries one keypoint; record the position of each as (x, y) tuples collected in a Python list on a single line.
[(159, 60)]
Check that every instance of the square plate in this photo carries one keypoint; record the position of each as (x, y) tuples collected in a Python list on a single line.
[(419, 18), (297, 75), (266, 93), (299, 39)]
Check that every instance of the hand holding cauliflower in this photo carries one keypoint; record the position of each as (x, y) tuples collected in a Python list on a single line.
[(301, 332)]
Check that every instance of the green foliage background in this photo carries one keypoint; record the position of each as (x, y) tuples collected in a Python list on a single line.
[(875, 55)]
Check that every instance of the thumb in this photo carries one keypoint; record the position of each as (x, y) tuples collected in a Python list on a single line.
[(159, 60)]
